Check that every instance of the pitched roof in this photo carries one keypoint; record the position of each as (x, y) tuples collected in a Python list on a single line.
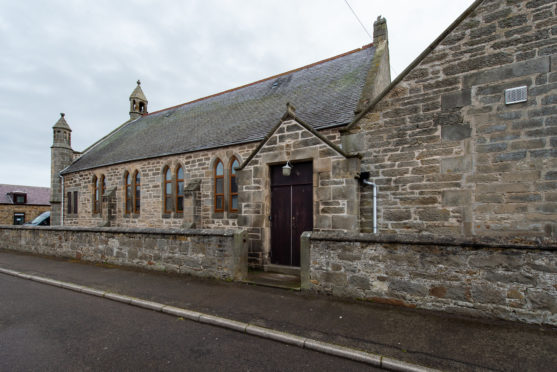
[(325, 93), (35, 195)]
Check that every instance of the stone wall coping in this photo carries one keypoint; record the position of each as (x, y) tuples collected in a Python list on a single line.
[(521, 242), (128, 230)]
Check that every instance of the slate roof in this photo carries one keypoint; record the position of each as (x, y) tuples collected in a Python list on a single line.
[(325, 95), (35, 195)]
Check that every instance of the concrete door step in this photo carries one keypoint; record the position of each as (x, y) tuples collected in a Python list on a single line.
[(272, 279), (281, 269)]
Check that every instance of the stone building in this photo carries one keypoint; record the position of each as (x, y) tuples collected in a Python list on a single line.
[(461, 143), (217, 162), (21, 204)]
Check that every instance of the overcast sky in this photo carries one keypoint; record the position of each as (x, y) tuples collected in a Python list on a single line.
[(83, 58)]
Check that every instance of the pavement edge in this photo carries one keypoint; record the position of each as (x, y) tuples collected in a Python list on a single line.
[(254, 330)]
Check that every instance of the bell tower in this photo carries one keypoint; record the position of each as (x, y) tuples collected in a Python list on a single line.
[(61, 156), (138, 102)]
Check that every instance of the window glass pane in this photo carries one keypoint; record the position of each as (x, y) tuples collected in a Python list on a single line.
[(180, 204), (169, 188), (137, 198), (19, 218), (128, 179), (180, 190), (219, 185), (180, 175), (75, 202), (233, 167), (219, 202), (233, 185), (137, 178), (69, 202), (128, 199), (219, 171), (235, 202), (168, 205), (168, 175)]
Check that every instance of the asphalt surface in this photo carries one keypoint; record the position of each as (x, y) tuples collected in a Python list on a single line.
[(425, 338), (51, 329)]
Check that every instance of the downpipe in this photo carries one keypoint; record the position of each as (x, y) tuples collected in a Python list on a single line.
[(366, 182), (363, 177), (62, 204)]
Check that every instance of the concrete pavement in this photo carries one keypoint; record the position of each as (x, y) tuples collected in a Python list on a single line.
[(424, 338)]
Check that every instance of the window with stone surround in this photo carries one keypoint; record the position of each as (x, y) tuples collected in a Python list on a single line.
[(99, 187), (128, 193), (103, 190), (69, 202), (137, 193), (180, 189), (167, 190), (219, 186), (132, 193), (233, 186), (19, 218)]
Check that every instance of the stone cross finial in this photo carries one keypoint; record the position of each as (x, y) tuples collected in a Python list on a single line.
[(290, 108), (138, 82), (62, 114)]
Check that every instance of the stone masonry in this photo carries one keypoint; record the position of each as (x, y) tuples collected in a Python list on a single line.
[(448, 154), (335, 195), (31, 211), (511, 279), (198, 169), (220, 254)]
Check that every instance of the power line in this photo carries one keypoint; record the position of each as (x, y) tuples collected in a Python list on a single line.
[(355, 15)]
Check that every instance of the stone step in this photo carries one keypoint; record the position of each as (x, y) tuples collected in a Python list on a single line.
[(281, 269)]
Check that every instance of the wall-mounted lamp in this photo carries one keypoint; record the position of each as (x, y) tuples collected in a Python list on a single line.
[(287, 169)]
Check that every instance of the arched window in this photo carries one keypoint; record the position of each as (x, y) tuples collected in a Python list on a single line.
[(99, 188), (219, 186), (233, 195), (137, 194), (167, 190), (180, 189), (95, 194), (128, 193), (103, 188)]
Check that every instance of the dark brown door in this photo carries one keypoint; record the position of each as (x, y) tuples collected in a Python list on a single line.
[(291, 212)]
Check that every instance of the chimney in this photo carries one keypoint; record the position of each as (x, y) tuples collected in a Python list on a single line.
[(379, 31)]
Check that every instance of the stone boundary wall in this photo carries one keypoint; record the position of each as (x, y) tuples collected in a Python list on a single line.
[(513, 279), (220, 254)]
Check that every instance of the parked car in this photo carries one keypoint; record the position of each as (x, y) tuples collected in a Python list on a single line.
[(42, 220)]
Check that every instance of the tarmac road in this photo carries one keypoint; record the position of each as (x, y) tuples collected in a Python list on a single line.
[(47, 328), (432, 339)]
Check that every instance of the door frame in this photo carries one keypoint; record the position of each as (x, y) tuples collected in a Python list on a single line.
[(281, 185)]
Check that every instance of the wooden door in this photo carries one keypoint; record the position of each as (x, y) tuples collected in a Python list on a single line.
[(291, 212)]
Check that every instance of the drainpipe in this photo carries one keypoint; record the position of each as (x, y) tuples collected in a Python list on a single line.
[(366, 182), (62, 204)]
